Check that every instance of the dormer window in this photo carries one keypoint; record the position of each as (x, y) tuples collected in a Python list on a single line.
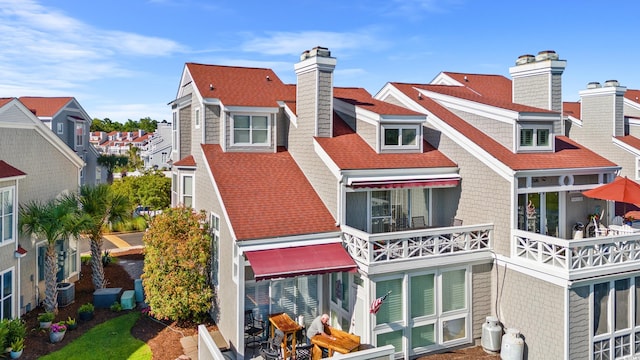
[(535, 137), (400, 137), (250, 130)]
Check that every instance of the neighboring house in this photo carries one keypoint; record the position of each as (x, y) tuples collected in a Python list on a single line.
[(68, 120), (157, 152), (459, 198), (35, 165)]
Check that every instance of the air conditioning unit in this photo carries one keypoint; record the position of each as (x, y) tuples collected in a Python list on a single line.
[(66, 294)]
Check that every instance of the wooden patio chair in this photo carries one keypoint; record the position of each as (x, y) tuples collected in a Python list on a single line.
[(417, 222)]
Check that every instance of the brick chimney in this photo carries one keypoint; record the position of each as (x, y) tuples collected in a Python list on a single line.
[(315, 92), (537, 80), (602, 108)]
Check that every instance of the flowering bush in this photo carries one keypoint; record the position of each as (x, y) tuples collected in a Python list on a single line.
[(58, 327)]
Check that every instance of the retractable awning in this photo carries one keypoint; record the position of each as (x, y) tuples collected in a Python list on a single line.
[(406, 183), (300, 260)]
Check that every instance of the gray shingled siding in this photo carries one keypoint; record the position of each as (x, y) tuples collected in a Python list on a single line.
[(485, 197), (325, 101), (499, 131), (631, 111), (618, 124), (532, 90), (301, 147), (556, 92), (598, 114), (226, 306), (282, 126), (46, 178), (579, 323), (212, 124), (482, 297), (185, 132), (392, 100), (536, 308), (367, 132)]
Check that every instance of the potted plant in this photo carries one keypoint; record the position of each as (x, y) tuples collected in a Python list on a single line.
[(85, 312), (45, 319), (72, 324), (57, 331), (17, 346)]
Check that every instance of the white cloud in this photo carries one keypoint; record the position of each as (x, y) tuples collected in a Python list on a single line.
[(294, 43)]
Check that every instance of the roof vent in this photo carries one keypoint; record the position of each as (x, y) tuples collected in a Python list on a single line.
[(525, 59), (593, 85), (546, 55), (611, 83), (210, 86)]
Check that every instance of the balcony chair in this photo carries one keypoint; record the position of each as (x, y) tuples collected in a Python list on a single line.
[(599, 229), (618, 220), (253, 329), (272, 348), (417, 222)]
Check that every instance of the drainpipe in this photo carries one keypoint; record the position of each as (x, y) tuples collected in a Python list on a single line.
[(339, 210)]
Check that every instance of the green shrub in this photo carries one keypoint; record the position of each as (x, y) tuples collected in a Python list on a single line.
[(4, 333), (116, 307), (17, 345), (85, 308), (46, 317), (17, 330), (176, 265), (106, 258)]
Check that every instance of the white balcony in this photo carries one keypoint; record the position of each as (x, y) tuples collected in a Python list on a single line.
[(578, 258), (395, 247)]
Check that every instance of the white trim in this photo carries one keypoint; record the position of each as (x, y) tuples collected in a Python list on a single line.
[(14, 293), (13, 189), (489, 111), (326, 159), (289, 241), (541, 274), (352, 180), (197, 116), (633, 150), (181, 193)]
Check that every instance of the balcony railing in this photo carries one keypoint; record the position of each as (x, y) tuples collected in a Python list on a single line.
[(418, 243), (579, 258)]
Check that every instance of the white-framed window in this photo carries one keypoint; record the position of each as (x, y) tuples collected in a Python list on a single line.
[(250, 130), (174, 132), (400, 136), (615, 316), (534, 137), (186, 191), (342, 298), (214, 228), (7, 215), (197, 118), (430, 309), (6, 294), (638, 168), (60, 128), (79, 134)]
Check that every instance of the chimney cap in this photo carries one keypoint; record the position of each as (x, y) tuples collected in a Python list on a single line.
[(593, 85), (546, 55), (611, 83), (525, 59), (316, 51)]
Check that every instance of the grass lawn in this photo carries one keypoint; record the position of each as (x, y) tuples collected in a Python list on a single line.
[(109, 340)]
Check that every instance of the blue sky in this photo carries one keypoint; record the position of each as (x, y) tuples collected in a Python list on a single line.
[(123, 59)]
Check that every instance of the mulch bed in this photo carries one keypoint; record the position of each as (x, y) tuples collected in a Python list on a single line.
[(162, 337)]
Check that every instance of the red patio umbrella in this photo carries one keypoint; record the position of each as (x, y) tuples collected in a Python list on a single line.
[(621, 189)]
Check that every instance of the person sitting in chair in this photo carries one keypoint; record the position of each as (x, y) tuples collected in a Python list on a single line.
[(317, 327)]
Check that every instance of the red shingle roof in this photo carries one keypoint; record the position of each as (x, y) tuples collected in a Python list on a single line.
[(633, 95), (4, 101), (630, 140), (7, 171), (240, 86), (266, 195), (361, 98), (45, 106), (568, 154), (571, 108), (186, 161), (466, 94), (349, 151), (494, 86)]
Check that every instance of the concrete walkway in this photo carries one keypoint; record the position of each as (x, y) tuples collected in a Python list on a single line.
[(190, 344)]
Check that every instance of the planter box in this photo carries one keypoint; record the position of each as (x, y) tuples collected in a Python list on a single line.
[(66, 294), (104, 298)]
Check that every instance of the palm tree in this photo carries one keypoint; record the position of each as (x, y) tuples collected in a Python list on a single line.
[(52, 221), (102, 206)]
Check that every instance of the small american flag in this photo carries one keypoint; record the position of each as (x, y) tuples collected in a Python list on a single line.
[(375, 305)]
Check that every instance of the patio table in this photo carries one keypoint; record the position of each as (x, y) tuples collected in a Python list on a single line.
[(284, 323)]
